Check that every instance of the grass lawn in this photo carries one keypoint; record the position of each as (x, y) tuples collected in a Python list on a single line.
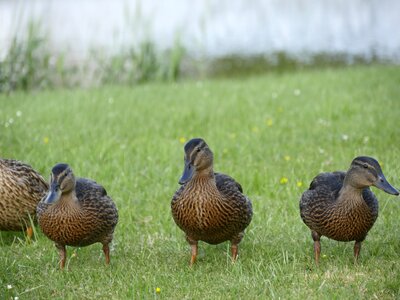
[(262, 130)]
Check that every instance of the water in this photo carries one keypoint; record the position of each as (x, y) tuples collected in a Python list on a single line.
[(214, 28)]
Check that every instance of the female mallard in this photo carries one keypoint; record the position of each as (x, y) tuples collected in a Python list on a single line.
[(76, 212), (341, 206), (209, 206), (21, 188)]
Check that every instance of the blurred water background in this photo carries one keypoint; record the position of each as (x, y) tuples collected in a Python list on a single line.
[(203, 36)]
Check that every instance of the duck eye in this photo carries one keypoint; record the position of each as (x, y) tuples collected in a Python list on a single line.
[(365, 166), (198, 150)]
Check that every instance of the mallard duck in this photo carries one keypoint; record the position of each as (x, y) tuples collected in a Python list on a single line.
[(21, 188), (76, 212), (341, 206), (209, 207)]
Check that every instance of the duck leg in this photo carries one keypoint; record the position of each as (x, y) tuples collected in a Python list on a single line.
[(317, 246), (194, 254), (193, 244), (29, 232), (357, 248), (63, 254), (235, 245), (234, 250), (106, 250)]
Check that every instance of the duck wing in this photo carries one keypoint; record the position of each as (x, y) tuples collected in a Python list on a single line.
[(233, 193), (325, 186), (371, 201), (93, 197), (324, 189), (227, 185), (240, 207), (26, 178), (86, 188)]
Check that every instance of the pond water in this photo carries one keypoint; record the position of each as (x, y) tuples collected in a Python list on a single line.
[(214, 28)]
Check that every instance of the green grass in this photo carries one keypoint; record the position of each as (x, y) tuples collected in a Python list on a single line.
[(261, 129)]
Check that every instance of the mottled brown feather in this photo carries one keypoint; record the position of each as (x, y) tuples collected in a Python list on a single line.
[(320, 212), (90, 219), (21, 188), (341, 206), (213, 210), (209, 207)]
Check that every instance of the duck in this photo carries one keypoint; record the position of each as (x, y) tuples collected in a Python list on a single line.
[(76, 212), (209, 207), (340, 205), (21, 189)]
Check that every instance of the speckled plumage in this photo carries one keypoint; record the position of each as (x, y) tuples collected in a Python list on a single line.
[(209, 207), (81, 216), (21, 188), (341, 206)]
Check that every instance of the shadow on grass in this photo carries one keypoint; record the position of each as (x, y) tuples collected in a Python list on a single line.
[(8, 238)]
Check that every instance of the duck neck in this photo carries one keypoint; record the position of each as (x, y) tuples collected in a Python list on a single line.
[(204, 177), (69, 199), (349, 194)]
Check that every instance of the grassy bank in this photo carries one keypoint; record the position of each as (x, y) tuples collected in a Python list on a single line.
[(272, 133)]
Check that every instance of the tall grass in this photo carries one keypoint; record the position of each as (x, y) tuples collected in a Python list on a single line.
[(31, 64), (261, 129), (144, 64)]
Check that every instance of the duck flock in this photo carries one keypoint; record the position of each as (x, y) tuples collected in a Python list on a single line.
[(208, 206)]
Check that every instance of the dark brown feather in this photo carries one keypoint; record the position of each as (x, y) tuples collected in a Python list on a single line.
[(90, 219), (212, 215), (21, 188), (320, 212)]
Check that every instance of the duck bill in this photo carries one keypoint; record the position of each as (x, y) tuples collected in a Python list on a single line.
[(187, 173), (385, 186), (53, 195)]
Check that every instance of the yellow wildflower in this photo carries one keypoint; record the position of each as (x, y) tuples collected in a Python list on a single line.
[(182, 140), (269, 122), (46, 140), (287, 157), (283, 180), (299, 184), (158, 290)]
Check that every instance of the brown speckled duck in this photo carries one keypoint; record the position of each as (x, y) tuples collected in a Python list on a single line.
[(21, 188), (341, 206), (76, 212), (209, 206)]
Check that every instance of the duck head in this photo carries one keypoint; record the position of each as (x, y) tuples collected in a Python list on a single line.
[(198, 158), (62, 181), (365, 171)]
